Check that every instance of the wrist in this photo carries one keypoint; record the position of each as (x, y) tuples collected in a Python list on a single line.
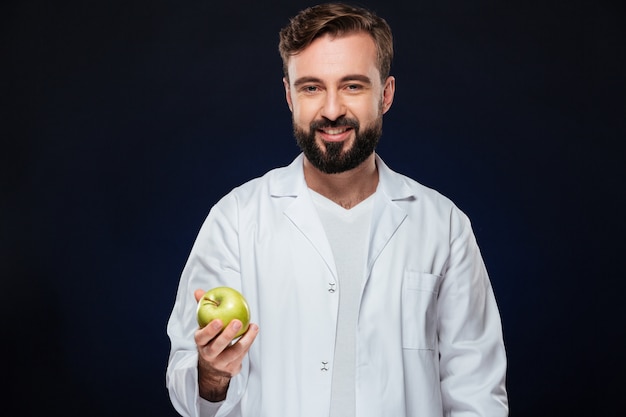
[(212, 387)]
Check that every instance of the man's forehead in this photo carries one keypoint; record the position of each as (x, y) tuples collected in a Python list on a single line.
[(337, 56)]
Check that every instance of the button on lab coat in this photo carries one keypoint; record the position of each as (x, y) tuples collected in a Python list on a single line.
[(429, 338)]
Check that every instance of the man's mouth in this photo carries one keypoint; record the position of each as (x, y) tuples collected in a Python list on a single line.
[(334, 130), (338, 130), (335, 134)]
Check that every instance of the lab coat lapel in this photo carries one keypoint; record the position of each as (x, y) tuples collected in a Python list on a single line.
[(303, 215), (301, 212), (387, 215)]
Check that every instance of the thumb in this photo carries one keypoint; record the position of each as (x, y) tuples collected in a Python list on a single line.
[(198, 294)]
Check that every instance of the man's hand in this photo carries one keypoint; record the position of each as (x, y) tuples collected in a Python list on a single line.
[(218, 358)]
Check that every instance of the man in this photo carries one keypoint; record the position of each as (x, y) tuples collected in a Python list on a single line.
[(368, 290)]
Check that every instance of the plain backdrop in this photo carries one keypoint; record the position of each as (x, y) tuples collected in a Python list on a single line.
[(123, 122)]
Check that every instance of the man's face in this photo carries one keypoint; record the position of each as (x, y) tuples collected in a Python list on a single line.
[(337, 100)]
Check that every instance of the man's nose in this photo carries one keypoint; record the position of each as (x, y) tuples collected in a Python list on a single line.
[(333, 106)]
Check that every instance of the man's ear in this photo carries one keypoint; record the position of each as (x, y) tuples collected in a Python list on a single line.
[(287, 93), (389, 89)]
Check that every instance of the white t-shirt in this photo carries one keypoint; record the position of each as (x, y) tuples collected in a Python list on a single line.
[(347, 232)]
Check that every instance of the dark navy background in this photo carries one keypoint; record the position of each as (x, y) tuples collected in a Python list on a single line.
[(124, 121)]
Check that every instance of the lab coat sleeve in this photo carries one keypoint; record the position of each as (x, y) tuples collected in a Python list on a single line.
[(213, 261), (472, 355)]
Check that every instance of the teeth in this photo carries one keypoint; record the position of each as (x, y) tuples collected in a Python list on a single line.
[(335, 131)]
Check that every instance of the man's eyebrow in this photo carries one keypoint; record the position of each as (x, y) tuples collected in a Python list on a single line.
[(306, 80), (357, 77)]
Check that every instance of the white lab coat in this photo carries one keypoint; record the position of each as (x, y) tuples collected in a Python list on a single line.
[(429, 338)]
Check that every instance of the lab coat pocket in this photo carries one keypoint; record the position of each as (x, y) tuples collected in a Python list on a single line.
[(419, 310)]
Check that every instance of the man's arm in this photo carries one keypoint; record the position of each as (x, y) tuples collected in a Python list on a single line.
[(213, 262), (473, 359)]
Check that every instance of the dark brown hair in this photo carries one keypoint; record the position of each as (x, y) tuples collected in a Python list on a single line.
[(336, 19)]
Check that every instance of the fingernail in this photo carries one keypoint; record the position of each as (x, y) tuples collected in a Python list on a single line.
[(216, 324), (236, 325)]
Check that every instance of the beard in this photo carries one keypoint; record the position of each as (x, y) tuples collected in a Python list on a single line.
[(333, 158)]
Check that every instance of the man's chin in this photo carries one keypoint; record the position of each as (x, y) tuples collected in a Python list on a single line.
[(335, 150)]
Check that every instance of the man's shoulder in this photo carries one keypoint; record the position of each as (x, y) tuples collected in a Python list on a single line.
[(267, 180), (279, 181), (423, 203), (403, 187), (426, 192)]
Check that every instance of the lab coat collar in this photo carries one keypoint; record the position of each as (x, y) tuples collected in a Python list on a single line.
[(387, 215), (290, 182)]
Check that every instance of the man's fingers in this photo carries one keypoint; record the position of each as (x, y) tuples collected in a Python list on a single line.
[(239, 349), (213, 337), (224, 340), (248, 337), (212, 340), (219, 353), (209, 332), (233, 354)]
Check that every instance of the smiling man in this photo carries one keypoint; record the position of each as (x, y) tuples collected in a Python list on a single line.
[(367, 290)]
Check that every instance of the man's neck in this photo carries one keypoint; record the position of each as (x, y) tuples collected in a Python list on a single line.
[(346, 188)]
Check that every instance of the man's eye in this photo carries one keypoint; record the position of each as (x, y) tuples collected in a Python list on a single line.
[(310, 88), (353, 87)]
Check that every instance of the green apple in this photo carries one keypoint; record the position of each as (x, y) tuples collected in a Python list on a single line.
[(226, 304)]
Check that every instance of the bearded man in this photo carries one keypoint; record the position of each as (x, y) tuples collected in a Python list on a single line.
[(367, 290)]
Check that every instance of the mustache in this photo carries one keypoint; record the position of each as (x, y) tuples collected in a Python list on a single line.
[(341, 121)]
